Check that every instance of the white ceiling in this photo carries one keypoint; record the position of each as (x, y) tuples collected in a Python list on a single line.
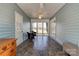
[(49, 9)]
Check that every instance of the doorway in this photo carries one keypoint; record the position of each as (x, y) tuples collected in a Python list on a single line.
[(40, 27)]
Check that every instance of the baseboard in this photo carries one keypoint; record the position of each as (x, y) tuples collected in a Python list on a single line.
[(57, 42), (23, 42)]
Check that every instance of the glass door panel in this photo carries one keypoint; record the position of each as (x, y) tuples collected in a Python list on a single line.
[(39, 30), (45, 28), (34, 26)]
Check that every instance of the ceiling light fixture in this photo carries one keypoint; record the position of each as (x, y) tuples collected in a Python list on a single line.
[(41, 11), (40, 16)]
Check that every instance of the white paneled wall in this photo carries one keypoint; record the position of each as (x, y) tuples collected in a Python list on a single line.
[(67, 20)]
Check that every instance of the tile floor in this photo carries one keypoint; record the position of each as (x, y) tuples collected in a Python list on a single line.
[(40, 46)]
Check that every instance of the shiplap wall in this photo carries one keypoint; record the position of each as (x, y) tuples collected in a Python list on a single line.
[(67, 20), (7, 19), (7, 27)]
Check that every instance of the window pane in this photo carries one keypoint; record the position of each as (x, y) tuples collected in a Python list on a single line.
[(40, 28), (34, 26), (45, 28), (44, 25)]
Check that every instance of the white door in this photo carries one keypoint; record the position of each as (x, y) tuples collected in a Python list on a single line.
[(18, 28)]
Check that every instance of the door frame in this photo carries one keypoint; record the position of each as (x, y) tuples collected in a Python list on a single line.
[(42, 20)]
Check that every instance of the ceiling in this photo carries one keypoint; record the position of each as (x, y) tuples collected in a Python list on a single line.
[(48, 9)]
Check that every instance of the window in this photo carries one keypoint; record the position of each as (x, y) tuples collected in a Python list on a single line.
[(34, 26)]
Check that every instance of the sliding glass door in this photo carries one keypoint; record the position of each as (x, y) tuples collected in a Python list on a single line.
[(41, 28)]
